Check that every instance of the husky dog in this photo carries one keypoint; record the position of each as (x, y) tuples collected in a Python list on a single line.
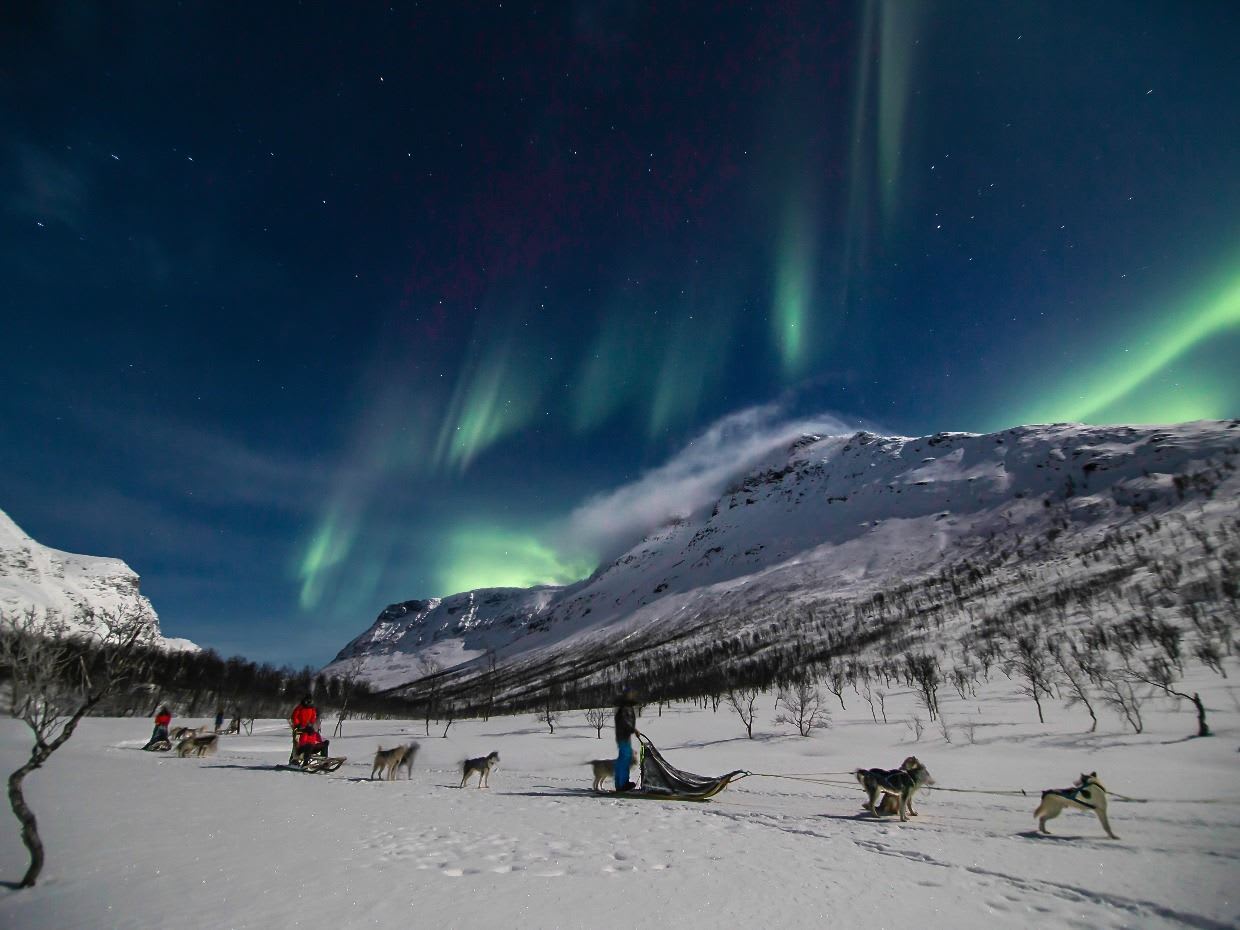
[(1088, 794), (603, 770), (186, 732), (388, 762), (482, 766), (901, 784), (199, 746)]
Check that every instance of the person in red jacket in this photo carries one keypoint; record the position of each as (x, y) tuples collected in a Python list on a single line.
[(163, 720), (305, 717), (310, 742)]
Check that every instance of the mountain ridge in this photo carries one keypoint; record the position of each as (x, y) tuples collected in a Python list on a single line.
[(834, 518), (35, 576)]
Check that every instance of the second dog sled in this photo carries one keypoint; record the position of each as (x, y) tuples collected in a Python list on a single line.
[(662, 781)]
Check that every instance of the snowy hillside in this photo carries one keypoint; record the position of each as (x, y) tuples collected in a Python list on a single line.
[(842, 541), (32, 575)]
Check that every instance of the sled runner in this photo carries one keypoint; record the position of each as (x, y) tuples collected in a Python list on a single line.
[(160, 745), (316, 764), (662, 781)]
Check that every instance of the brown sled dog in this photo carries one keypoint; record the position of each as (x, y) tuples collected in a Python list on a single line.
[(199, 746), (389, 762)]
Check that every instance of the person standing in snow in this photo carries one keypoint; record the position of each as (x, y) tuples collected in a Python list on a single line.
[(163, 720), (626, 728), (219, 719)]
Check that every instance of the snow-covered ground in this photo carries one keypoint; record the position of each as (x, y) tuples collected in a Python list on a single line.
[(147, 841)]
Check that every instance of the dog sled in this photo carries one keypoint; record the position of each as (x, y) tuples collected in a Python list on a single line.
[(315, 764), (662, 781)]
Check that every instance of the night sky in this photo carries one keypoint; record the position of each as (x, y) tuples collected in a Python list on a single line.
[(307, 310)]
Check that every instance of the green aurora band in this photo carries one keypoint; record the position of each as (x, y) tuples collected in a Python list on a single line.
[(795, 270), (492, 400), (1123, 390), (328, 548)]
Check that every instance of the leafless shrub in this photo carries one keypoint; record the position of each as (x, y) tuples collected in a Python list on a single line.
[(597, 718), (836, 679), (1029, 660), (868, 696), (744, 701), (1119, 694), (1072, 664), (56, 677), (945, 729), (802, 708), (916, 727)]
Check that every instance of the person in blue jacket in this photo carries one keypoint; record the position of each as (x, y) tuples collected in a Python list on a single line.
[(626, 728)]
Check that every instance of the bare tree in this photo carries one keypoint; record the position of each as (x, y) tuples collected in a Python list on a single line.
[(352, 672), (549, 715), (1072, 666), (744, 701), (802, 708), (1161, 673), (945, 729), (429, 667), (868, 696), (57, 677), (490, 661), (1028, 659), (837, 678), (449, 717), (916, 727), (597, 718), (923, 671), (1119, 694), (882, 703), (1209, 655)]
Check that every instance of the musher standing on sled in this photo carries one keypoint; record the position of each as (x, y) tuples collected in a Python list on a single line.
[(304, 718), (626, 727)]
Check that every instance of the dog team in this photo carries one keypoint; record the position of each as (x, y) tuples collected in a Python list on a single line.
[(888, 791)]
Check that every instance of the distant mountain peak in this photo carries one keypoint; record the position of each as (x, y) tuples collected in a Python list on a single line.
[(34, 576)]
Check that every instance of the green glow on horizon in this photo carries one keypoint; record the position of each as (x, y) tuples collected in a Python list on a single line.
[(492, 557), (794, 287), (1122, 389)]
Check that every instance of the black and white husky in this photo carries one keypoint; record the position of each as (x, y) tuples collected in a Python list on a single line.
[(900, 784), (482, 767), (1087, 794)]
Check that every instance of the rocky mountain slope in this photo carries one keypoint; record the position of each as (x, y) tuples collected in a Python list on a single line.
[(35, 576), (844, 542)]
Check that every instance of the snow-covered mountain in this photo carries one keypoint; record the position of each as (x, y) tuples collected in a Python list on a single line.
[(32, 575), (811, 542)]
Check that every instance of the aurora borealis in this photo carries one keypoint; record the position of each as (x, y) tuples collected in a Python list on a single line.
[(352, 306)]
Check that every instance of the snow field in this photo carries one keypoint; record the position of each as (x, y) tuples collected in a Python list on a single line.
[(136, 840)]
